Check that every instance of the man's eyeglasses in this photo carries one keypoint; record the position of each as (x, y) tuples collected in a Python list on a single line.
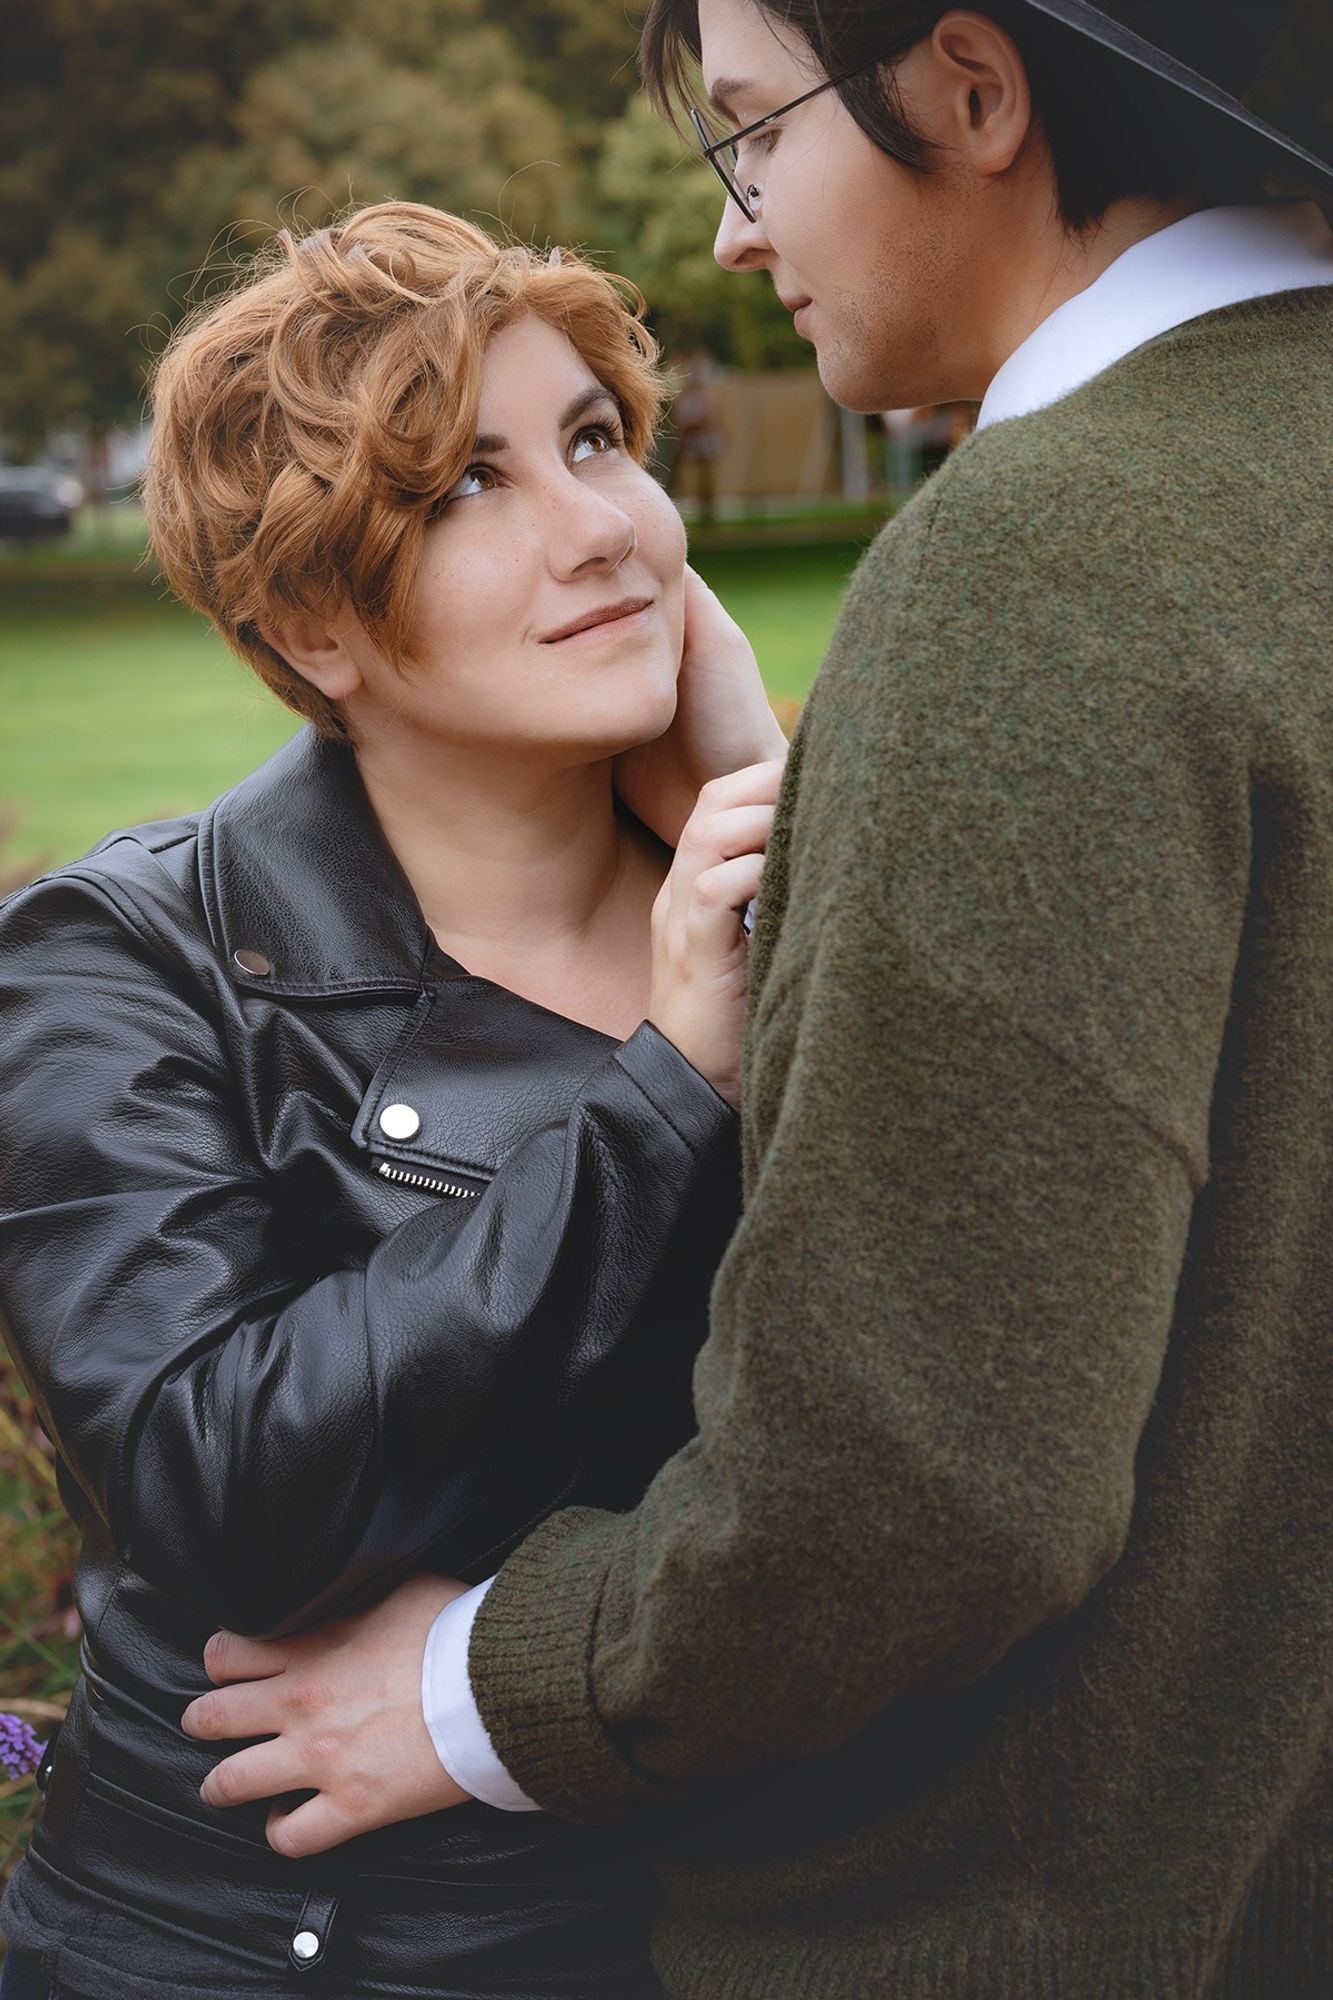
[(723, 154)]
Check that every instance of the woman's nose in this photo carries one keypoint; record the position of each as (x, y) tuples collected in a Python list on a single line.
[(739, 244), (590, 532)]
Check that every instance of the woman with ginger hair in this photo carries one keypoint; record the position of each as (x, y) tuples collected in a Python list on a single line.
[(369, 1137)]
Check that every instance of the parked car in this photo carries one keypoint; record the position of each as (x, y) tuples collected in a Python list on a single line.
[(37, 501)]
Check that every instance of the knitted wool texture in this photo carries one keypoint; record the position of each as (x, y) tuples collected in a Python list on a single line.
[(980, 1643)]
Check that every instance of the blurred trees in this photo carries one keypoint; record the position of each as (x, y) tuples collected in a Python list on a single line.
[(150, 142), (580, 55), (105, 100), (70, 358), (409, 99)]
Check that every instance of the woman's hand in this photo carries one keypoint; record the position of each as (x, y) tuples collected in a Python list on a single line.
[(723, 720), (341, 1709), (699, 945)]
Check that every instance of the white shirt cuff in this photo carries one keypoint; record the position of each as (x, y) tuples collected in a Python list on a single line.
[(452, 1716)]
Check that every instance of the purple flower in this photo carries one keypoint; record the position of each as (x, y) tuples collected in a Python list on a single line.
[(20, 1752)]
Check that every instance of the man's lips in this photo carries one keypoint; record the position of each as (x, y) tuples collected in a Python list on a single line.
[(796, 305), (605, 614)]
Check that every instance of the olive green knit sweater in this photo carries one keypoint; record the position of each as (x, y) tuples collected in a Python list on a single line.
[(980, 1643)]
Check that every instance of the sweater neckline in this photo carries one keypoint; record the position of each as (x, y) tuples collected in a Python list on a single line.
[(1215, 258)]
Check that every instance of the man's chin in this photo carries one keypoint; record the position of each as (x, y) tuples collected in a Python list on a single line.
[(852, 382), (869, 384)]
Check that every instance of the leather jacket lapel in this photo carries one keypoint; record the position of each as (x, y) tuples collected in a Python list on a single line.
[(476, 1069)]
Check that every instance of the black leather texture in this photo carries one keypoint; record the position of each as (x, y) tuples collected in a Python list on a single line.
[(290, 1349)]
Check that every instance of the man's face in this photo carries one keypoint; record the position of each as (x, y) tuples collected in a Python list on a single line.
[(867, 254)]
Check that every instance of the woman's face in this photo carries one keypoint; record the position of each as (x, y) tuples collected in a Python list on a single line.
[(553, 526)]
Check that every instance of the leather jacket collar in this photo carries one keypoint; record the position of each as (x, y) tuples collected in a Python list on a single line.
[(305, 901), (276, 856)]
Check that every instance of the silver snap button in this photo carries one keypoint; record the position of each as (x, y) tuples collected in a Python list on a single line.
[(305, 1945), (253, 962), (400, 1121)]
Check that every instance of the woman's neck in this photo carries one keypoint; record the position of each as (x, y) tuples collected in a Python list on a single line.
[(525, 872)]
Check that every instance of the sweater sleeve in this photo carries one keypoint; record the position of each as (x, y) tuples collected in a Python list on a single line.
[(1002, 915)]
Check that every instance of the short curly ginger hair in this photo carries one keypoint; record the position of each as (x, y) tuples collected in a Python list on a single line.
[(308, 423)]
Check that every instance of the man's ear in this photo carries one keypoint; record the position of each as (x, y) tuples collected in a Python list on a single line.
[(983, 91), (317, 652)]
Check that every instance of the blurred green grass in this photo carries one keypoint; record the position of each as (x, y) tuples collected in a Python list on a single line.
[(119, 706)]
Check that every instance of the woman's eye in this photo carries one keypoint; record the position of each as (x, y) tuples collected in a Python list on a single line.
[(595, 440), (477, 479)]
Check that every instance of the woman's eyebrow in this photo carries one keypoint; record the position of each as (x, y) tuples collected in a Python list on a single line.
[(587, 399), (491, 443)]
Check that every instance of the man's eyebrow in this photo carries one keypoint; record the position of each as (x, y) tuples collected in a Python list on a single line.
[(726, 90), (490, 444)]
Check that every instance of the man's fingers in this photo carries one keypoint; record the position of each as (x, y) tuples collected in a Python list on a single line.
[(251, 1708), (264, 1771), (229, 1656), (314, 1827)]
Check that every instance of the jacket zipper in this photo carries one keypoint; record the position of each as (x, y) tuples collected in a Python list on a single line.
[(430, 1182)]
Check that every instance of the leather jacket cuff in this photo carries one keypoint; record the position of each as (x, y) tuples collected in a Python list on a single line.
[(676, 1090)]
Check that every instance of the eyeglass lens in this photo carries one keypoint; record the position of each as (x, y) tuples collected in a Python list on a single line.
[(723, 158)]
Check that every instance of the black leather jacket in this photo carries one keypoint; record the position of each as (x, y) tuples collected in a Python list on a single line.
[(324, 1261)]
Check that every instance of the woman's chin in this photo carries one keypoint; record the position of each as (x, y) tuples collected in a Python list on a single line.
[(617, 728)]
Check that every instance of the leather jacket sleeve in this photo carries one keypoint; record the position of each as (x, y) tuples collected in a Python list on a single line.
[(272, 1443)]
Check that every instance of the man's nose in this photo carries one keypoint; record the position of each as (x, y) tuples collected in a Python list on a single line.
[(739, 244)]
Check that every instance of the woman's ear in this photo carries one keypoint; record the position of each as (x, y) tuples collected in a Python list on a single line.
[(318, 653), (982, 82)]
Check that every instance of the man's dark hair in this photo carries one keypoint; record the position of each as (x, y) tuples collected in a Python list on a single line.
[(1113, 130)]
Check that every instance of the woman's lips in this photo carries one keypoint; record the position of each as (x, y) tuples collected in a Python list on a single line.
[(610, 618)]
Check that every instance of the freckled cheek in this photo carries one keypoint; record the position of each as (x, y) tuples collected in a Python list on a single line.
[(477, 592), (662, 548)]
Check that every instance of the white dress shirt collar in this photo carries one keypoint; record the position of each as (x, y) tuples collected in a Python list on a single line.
[(1214, 258)]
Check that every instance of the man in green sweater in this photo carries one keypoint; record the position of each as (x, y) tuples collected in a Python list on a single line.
[(983, 1632)]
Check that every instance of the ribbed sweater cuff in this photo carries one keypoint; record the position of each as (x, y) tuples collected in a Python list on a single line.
[(530, 1665)]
